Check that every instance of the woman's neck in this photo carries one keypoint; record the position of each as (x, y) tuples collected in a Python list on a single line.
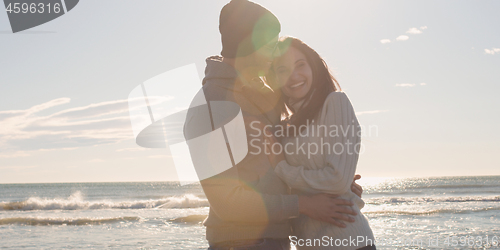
[(296, 104)]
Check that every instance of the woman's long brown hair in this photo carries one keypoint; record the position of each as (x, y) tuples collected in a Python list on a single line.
[(323, 83)]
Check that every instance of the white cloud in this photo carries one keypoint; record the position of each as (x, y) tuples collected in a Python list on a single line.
[(49, 104), (402, 38), (492, 51), (371, 112), (14, 154), (405, 85), (4, 115), (409, 85), (94, 110), (414, 31), (100, 123), (159, 156)]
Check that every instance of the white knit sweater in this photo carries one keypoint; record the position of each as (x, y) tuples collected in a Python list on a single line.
[(326, 163)]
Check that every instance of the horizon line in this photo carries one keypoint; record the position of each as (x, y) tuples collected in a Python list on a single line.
[(197, 182)]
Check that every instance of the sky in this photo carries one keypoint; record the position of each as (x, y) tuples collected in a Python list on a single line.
[(423, 77)]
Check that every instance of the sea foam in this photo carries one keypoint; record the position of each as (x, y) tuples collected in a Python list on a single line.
[(38, 221), (77, 202)]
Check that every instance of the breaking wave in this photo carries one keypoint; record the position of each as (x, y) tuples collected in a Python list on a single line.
[(76, 202), (35, 221)]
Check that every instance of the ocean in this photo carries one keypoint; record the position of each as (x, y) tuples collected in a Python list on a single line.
[(404, 213)]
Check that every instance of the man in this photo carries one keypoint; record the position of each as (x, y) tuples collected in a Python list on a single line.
[(249, 205)]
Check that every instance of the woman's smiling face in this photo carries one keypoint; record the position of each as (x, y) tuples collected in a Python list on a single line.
[(293, 74)]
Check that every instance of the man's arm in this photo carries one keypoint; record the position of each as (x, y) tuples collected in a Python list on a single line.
[(232, 200)]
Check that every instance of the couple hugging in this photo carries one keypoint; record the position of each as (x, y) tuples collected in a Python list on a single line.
[(278, 196)]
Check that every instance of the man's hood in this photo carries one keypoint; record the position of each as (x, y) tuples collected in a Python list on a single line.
[(220, 73)]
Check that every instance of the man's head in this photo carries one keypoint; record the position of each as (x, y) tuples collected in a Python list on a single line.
[(248, 30)]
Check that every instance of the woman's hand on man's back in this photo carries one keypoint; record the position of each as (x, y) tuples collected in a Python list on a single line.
[(355, 187), (327, 208)]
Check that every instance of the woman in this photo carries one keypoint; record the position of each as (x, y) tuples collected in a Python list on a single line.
[(321, 142)]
